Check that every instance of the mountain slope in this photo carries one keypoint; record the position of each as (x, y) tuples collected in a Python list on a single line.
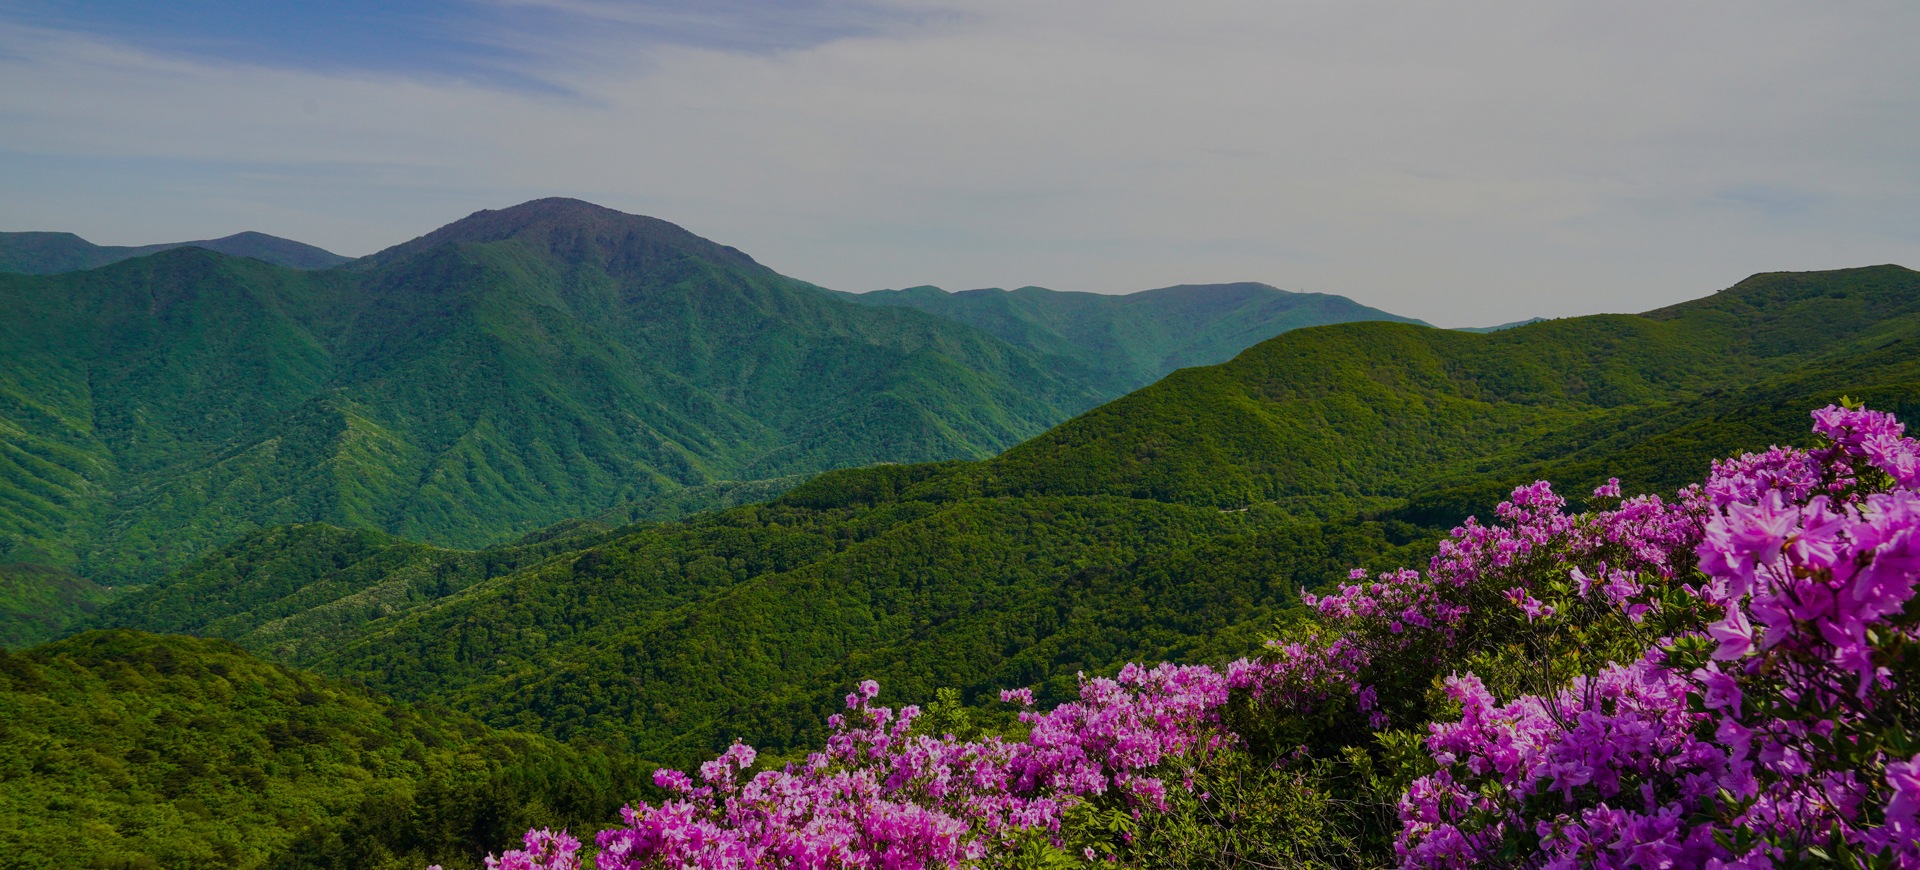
[(52, 253), (510, 370), (1139, 337)]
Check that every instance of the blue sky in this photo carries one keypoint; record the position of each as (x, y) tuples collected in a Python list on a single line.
[(1470, 162), (501, 43)]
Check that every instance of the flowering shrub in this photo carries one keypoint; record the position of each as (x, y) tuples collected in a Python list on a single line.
[(1720, 680), (1541, 598)]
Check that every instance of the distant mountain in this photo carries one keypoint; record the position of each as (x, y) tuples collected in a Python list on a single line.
[(1527, 322), (53, 253), (1138, 337), (505, 372), (1176, 523), (272, 249)]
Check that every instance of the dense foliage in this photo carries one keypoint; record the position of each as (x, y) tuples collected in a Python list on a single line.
[(677, 639), (130, 750), (1726, 680)]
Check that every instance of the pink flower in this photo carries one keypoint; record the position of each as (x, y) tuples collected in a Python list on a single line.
[(1734, 633), (1904, 778), (1722, 690)]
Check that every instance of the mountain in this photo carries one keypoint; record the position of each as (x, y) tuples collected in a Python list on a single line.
[(1177, 523), (503, 373), (51, 253), (123, 749), (1140, 337)]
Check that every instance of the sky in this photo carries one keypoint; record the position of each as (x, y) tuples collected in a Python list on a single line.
[(1467, 162)]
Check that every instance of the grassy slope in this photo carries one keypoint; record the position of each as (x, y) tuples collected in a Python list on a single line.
[(122, 749)]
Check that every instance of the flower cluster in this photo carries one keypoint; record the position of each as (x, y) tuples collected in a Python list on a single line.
[(1618, 736), (1120, 730), (1878, 438), (1778, 736), (882, 796)]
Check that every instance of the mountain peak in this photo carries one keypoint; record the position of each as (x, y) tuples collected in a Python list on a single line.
[(576, 231), (271, 249)]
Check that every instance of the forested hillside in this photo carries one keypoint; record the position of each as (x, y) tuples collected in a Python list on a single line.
[(122, 749), (1136, 338)]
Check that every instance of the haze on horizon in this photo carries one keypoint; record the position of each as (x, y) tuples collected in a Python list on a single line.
[(1468, 163)]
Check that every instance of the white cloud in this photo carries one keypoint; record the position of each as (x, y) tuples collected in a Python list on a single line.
[(1464, 163)]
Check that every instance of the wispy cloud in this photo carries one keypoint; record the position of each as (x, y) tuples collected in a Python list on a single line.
[(1464, 163), (727, 25)]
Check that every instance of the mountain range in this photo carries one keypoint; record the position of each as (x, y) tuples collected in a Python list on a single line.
[(508, 371), (52, 253)]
